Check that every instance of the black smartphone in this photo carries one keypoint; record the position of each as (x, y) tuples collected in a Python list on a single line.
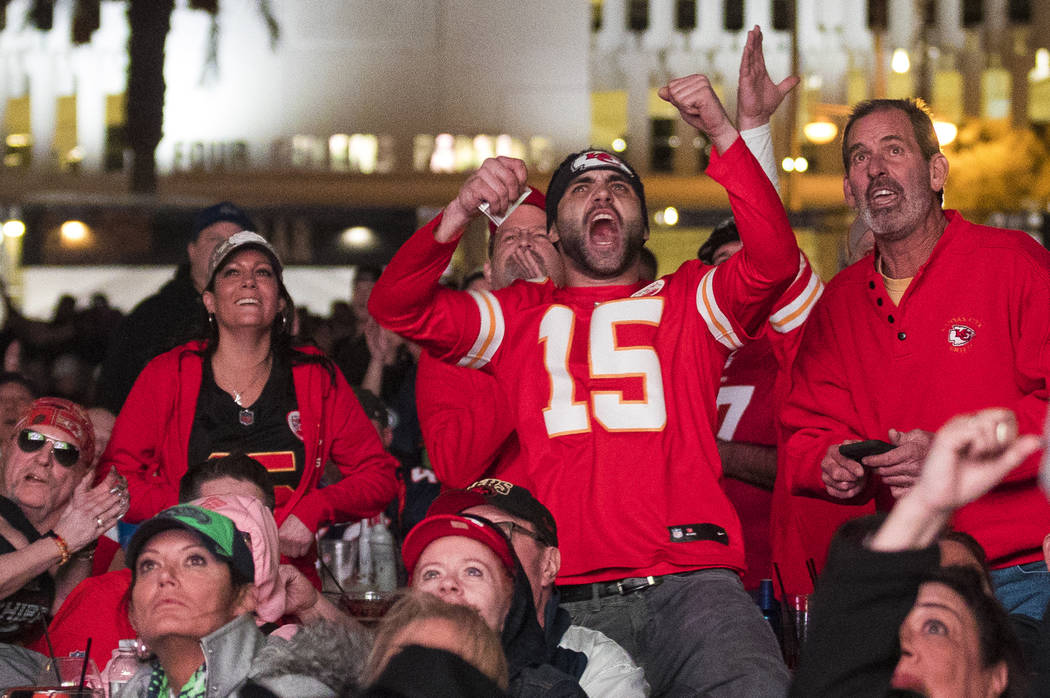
[(871, 447)]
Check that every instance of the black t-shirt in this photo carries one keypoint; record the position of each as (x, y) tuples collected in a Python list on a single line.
[(268, 430), (24, 613)]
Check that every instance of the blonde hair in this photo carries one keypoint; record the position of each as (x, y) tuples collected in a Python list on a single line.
[(478, 644)]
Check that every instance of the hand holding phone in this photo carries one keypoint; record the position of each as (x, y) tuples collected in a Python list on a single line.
[(861, 449)]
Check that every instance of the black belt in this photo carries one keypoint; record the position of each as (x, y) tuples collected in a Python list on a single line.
[(622, 587)]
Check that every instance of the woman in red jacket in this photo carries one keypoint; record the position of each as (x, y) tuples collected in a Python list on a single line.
[(247, 388)]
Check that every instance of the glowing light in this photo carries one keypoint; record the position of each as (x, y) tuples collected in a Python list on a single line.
[(670, 215), (18, 140), (900, 63), (946, 132), (788, 164), (444, 156), (76, 154), (14, 228), (820, 131), (801, 164), (74, 231), (619, 145), (1041, 71), (358, 237)]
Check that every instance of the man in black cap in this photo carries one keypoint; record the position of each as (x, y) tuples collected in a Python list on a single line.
[(614, 382), (172, 315)]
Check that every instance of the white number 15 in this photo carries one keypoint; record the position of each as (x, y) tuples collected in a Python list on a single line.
[(564, 413)]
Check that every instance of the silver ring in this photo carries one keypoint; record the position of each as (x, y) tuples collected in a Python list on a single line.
[(1002, 432), (98, 520)]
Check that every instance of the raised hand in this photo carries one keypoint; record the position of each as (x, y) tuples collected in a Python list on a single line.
[(970, 455), (757, 96), (499, 181), (700, 107)]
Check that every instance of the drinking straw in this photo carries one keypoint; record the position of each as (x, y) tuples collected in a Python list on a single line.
[(783, 595), (83, 669), (51, 654)]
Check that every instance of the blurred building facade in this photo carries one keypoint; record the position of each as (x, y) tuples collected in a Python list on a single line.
[(364, 112)]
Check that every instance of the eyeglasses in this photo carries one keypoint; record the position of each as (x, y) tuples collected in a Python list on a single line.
[(509, 528), (65, 453)]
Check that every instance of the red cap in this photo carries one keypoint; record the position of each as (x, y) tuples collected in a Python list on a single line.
[(65, 415), (432, 528), (535, 198)]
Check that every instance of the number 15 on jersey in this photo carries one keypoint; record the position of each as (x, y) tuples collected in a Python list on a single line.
[(568, 411)]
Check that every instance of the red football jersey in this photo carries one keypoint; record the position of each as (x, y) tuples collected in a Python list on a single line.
[(613, 387)]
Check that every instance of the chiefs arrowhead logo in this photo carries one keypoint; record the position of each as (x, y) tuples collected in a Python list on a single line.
[(960, 335)]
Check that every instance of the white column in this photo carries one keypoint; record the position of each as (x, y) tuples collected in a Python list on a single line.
[(41, 106), (636, 73), (91, 107), (614, 24), (661, 24)]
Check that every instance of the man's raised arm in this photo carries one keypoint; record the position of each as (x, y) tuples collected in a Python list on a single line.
[(408, 299)]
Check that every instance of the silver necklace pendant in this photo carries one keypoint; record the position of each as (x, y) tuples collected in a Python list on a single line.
[(237, 399), (246, 417)]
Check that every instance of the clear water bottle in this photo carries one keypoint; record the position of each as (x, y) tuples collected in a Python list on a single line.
[(121, 667), (384, 558)]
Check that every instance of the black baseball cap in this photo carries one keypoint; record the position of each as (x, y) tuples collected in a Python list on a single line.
[(724, 233), (224, 211), (585, 160), (505, 496)]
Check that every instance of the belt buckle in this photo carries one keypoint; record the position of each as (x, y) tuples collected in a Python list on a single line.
[(646, 582)]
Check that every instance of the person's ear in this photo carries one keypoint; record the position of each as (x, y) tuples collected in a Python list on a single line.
[(486, 271), (938, 171), (552, 233), (551, 565), (245, 600), (1000, 679), (848, 193), (209, 301)]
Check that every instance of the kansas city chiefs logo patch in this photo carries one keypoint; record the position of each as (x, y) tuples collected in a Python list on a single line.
[(295, 424), (960, 335)]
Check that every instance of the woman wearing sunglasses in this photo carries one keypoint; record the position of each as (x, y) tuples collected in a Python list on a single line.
[(49, 515)]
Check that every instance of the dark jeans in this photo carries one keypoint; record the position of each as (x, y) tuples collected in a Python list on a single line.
[(695, 635)]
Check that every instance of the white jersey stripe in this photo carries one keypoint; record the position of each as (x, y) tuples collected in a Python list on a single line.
[(792, 315), (490, 333), (717, 323)]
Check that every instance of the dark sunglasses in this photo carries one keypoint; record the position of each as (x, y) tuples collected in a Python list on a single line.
[(65, 453)]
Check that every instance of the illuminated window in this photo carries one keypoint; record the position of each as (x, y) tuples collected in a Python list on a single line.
[(422, 150), (64, 141), (116, 134), (339, 152), (443, 159), (364, 153), (18, 140)]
